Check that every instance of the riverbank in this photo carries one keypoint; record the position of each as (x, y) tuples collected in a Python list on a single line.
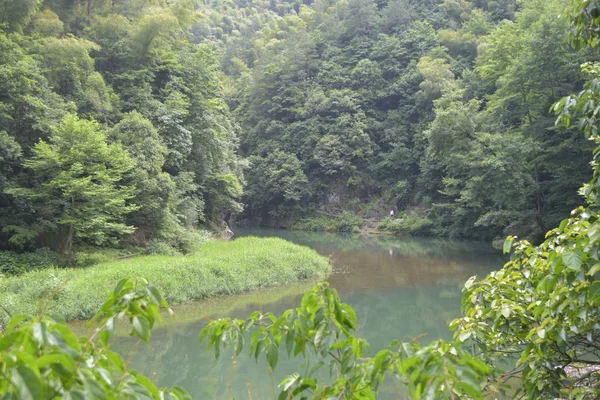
[(212, 269)]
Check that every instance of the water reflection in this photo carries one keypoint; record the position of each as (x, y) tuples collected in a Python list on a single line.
[(400, 289)]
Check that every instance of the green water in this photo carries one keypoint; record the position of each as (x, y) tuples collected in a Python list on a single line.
[(400, 288)]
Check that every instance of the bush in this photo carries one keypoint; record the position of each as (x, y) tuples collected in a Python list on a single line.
[(155, 247), (408, 224), (88, 259), (214, 268), (12, 263), (344, 222)]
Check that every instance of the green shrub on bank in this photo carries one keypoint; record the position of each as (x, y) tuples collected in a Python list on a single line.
[(214, 268), (344, 222), (12, 263), (408, 224)]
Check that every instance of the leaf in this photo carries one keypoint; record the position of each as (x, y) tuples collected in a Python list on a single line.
[(40, 332), (505, 311), (541, 333), (594, 269), (180, 393), (573, 259), (289, 341), (464, 335), (27, 382), (507, 245), (141, 328), (272, 355), (94, 390), (148, 384)]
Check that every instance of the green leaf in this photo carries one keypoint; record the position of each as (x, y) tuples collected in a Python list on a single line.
[(594, 269), (464, 335), (272, 355), (141, 328), (541, 333), (573, 259), (27, 382), (180, 393), (507, 245), (289, 341), (93, 390)]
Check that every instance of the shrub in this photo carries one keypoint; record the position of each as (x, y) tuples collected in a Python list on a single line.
[(12, 263), (407, 224), (344, 222), (156, 246)]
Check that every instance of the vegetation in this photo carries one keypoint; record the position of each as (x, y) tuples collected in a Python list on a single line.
[(113, 128), (214, 268), (41, 357), (12, 263), (540, 310), (441, 106), (408, 224), (344, 222)]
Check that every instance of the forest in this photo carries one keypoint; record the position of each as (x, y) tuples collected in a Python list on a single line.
[(138, 121)]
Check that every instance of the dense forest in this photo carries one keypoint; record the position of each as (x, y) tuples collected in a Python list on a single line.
[(143, 119), (439, 109), (112, 123)]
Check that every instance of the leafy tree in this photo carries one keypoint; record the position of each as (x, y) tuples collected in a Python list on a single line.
[(16, 14), (276, 183), (154, 189), (78, 189)]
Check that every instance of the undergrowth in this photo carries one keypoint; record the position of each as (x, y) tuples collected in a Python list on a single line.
[(344, 222), (406, 224)]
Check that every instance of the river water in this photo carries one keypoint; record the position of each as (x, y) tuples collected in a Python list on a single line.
[(401, 288)]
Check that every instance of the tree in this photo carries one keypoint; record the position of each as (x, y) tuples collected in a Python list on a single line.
[(154, 189), (543, 307), (16, 14), (78, 191)]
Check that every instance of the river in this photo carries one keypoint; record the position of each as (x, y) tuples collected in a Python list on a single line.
[(401, 288)]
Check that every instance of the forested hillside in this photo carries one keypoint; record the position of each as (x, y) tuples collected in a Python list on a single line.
[(440, 109), (112, 125), (143, 119)]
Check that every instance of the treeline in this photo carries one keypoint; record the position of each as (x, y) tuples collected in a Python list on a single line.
[(112, 125), (440, 109)]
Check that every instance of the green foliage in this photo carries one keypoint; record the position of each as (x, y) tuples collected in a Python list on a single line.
[(79, 192), (12, 263), (411, 224), (16, 14), (343, 222), (42, 357), (323, 330), (541, 309), (133, 67), (214, 268)]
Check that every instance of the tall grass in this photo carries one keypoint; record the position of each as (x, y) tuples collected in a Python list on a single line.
[(214, 268)]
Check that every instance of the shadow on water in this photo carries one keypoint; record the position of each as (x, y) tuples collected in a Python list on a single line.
[(400, 288)]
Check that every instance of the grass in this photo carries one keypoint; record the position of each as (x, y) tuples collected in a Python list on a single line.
[(214, 268)]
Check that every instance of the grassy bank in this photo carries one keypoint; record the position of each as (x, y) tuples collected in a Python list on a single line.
[(213, 269)]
